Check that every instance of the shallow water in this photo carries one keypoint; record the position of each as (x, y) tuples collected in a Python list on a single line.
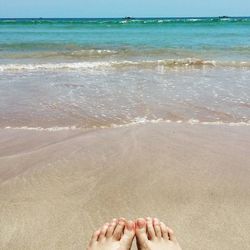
[(71, 73)]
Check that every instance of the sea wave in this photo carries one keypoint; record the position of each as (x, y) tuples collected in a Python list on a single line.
[(57, 51), (52, 66), (25, 52), (187, 62)]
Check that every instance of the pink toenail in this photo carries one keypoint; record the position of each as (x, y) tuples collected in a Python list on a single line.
[(130, 225), (141, 223)]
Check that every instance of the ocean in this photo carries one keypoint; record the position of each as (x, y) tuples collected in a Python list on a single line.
[(58, 74)]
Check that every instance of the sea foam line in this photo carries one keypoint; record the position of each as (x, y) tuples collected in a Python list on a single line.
[(52, 66), (144, 120), (50, 129), (192, 62), (136, 121)]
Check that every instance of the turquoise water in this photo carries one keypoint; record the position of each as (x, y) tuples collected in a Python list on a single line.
[(108, 72), (85, 39)]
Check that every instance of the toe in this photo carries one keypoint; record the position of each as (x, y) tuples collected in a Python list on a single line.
[(171, 234), (129, 233), (150, 228), (140, 230), (164, 231), (130, 227), (111, 228), (103, 232), (94, 237), (118, 231), (156, 224)]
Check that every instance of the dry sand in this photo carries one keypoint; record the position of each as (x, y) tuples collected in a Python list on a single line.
[(57, 187)]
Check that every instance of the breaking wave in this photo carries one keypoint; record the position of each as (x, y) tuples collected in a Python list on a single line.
[(189, 62)]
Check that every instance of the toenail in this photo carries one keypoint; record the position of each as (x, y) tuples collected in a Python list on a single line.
[(130, 225), (140, 223), (121, 222), (156, 221)]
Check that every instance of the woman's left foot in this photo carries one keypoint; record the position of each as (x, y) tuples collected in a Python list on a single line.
[(117, 235)]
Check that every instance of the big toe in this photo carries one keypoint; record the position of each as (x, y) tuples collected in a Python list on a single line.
[(129, 228), (129, 233)]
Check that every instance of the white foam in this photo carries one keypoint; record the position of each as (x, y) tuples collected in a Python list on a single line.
[(97, 64), (93, 52), (141, 63), (52, 66), (145, 120), (197, 122), (51, 129), (136, 121)]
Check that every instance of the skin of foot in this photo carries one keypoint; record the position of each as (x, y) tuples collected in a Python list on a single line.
[(117, 235), (151, 234)]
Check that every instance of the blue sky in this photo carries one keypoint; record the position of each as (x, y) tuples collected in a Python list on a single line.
[(118, 8)]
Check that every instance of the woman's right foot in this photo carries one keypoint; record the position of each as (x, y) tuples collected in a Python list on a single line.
[(151, 234)]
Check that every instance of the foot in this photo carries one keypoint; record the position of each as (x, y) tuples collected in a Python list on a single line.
[(154, 235), (117, 235)]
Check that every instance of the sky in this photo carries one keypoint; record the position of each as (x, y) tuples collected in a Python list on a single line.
[(122, 8)]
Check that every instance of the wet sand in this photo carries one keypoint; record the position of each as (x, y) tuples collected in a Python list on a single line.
[(57, 187)]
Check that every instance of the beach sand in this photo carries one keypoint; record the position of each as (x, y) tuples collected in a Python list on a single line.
[(57, 187)]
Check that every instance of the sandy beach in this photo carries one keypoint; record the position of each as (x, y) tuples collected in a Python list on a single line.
[(57, 187)]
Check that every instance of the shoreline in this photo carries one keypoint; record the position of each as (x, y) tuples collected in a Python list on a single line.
[(57, 187), (136, 122)]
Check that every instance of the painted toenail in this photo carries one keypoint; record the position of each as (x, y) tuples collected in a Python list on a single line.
[(141, 223), (130, 225)]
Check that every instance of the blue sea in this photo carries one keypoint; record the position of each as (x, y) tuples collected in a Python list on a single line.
[(96, 73)]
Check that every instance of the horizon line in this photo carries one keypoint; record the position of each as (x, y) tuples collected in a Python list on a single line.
[(133, 17)]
